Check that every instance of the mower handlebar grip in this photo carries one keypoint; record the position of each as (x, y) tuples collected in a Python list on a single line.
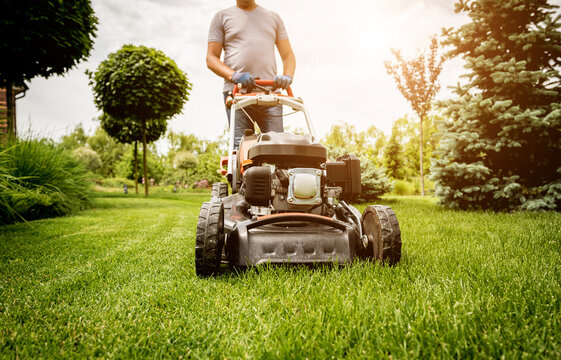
[(264, 83)]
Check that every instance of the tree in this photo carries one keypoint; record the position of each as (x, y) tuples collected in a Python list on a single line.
[(108, 149), (417, 80), (344, 139), (501, 147), (42, 38), (408, 138), (127, 166), (128, 131), (393, 154), (374, 182), (75, 139), (140, 84), (185, 160), (89, 158), (207, 153)]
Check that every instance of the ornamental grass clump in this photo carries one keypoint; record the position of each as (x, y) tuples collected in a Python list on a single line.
[(38, 180)]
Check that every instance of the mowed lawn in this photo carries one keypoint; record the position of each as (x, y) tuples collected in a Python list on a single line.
[(119, 281)]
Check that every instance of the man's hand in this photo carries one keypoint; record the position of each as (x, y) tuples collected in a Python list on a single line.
[(282, 82), (246, 80)]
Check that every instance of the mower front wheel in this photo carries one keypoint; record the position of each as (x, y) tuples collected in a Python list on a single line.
[(380, 225), (209, 239)]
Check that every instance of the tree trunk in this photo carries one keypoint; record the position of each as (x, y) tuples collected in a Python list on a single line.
[(422, 176), (144, 157), (136, 166), (10, 105)]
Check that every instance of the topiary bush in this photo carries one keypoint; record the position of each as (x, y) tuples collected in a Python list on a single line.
[(39, 180)]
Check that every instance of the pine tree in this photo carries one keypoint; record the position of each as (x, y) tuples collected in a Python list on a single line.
[(393, 154), (501, 148)]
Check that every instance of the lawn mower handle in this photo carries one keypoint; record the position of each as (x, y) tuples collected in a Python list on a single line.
[(264, 83)]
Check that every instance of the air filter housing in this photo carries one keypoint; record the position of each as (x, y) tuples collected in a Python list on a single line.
[(258, 185), (345, 172)]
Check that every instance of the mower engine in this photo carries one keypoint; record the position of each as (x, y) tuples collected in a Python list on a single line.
[(289, 173)]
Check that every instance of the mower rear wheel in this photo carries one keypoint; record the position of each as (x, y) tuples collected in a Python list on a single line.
[(209, 239), (380, 225), (219, 190)]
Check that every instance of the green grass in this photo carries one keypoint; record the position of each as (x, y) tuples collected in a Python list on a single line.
[(39, 180), (118, 281)]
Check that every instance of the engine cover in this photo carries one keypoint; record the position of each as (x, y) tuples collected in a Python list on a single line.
[(287, 150)]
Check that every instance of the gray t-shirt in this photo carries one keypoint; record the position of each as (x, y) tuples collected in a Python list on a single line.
[(248, 39)]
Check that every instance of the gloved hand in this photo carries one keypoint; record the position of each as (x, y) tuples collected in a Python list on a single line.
[(282, 82), (246, 80)]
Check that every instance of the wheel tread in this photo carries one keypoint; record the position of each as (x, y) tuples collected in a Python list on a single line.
[(391, 234), (219, 191), (209, 239)]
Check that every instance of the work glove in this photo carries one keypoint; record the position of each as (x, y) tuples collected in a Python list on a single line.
[(282, 82), (246, 80)]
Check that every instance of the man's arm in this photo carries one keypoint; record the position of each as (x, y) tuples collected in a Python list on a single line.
[(214, 63), (287, 56)]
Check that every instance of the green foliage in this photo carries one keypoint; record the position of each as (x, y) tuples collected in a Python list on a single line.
[(374, 181), (367, 146), (38, 180), (140, 84), (393, 154), (77, 138), (185, 142), (118, 182), (108, 149), (185, 160), (207, 154), (89, 158), (411, 187), (139, 88), (183, 163), (128, 131), (402, 187), (344, 139), (154, 166), (417, 80), (44, 37), (119, 281), (501, 144), (401, 154), (207, 168)]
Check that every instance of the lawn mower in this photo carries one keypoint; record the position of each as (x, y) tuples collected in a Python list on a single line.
[(288, 202)]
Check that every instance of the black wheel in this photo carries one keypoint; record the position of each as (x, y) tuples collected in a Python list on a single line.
[(380, 226), (219, 190), (210, 239)]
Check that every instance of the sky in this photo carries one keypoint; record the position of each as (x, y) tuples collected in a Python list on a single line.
[(340, 49)]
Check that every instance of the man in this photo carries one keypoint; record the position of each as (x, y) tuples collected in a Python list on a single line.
[(248, 35)]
